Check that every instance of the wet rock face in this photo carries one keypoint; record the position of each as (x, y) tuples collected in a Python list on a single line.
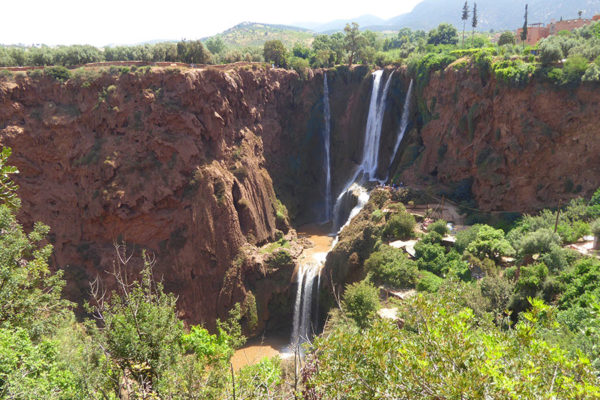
[(512, 149), (170, 161)]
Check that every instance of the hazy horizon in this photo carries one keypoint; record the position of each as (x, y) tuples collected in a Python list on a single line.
[(64, 22)]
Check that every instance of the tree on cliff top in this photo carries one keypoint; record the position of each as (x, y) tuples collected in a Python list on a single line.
[(465, 17), (192, 52), (474, 22), (506, 38), (354, 41), (443, 34), (275, 52), (524, 31)]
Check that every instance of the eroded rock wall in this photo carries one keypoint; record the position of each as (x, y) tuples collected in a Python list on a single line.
[(169, 161), (517, 149)]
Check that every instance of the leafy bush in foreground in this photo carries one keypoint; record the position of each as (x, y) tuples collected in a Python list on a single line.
[(445, 352), (361, 301)]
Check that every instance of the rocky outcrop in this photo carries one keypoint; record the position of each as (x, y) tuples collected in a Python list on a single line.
[(510, 149)]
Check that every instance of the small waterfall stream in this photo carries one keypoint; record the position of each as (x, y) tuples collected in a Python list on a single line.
[(327, 147), (304, 327), (403, 122)]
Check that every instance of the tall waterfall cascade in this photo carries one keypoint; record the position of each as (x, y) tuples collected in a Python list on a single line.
[(370, 159), (304, 327), (367, 170), (327, 147)]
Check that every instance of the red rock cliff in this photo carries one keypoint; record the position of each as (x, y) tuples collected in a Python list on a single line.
[(170, 161), (522, 148)]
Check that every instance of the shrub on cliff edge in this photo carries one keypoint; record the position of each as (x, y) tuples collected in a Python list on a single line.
[(400, 226)]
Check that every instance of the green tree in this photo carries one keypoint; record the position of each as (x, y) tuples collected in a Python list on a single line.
[(506, 38), (390, 266), (440, 226), (275, 52), (490, 244), (464, 17), (300, 50), (30, 295), (361, 301), (138, 327), (443, 34), (525, 26), (574, 69), (192, 52), (549, 53), (354, 41), (215, 45), (539, 242), (474, 21), (400, 226)]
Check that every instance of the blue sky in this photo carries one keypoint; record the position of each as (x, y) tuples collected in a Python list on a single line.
[(132, 21)]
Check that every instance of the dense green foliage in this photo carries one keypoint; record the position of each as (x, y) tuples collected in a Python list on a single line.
[(516, 311), (192, 51), (400, 226), (361, 301), (445, 351), (391, 266)]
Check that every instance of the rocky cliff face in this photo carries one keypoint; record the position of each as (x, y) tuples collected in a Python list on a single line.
[(168, 161), (183, 163), (511, 149)]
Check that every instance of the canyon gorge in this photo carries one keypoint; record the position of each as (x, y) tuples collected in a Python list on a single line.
[(204, 168)]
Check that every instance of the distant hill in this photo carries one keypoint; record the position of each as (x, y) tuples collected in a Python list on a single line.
[(493, 14), (256, 34), (339, 24)]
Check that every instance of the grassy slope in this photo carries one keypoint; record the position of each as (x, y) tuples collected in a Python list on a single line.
[(254, 34)]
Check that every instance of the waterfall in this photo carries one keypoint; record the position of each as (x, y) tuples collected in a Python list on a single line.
[(297, 304), (308, 272), (377, 105), (403, 122), (327, 146), (303, 325), (367, 170)]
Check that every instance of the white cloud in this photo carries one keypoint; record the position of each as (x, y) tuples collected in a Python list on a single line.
[(132, 21)]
